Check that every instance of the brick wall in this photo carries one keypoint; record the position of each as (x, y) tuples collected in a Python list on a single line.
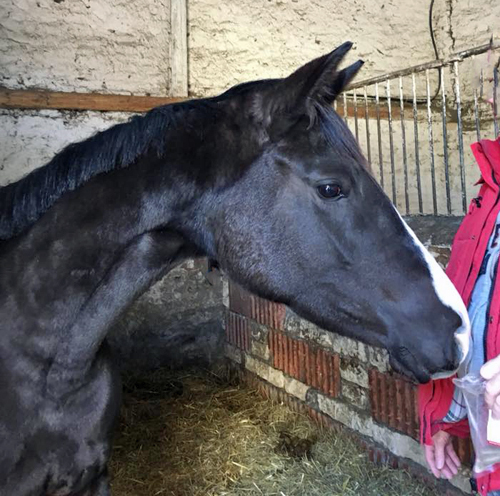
[(338, 381)]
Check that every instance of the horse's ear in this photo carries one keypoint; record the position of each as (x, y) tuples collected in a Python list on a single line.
[(342, 79), (317, 81)]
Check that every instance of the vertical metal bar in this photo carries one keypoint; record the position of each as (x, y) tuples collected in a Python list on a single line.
[(495, 105), (461, 137), (356, 116), (481, 85), (431, 142), (417, 157), (379, 133), (345, 108), (335, 105), (391, 144), (403, 138), (445, 143), (367, 124), (476, 116)]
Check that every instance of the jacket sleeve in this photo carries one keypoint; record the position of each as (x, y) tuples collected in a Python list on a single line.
[(434, 399)]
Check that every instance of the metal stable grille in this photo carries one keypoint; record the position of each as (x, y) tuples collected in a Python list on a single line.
[(416, 125)]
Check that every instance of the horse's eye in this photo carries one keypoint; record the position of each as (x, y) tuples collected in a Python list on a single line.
[(329, 191)]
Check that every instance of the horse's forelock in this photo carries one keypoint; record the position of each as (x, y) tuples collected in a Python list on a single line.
[(336, 133)]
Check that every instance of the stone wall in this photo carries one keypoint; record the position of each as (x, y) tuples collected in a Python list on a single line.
[(177, 323), (332, 377)]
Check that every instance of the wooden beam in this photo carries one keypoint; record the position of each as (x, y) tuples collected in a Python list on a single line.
[(178, 48), (58, 100), (383, 111)]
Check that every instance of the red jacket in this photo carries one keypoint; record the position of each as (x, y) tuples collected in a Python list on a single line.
[(468, 249)]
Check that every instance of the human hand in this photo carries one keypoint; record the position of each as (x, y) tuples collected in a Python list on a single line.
[(441, 456), (491, 372)]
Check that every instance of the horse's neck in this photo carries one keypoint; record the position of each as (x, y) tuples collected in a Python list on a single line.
[(59, 261)]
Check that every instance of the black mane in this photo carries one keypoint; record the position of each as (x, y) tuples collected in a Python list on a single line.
[(23, 202)]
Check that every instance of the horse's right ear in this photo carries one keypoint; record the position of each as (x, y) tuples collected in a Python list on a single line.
[(318, 81)]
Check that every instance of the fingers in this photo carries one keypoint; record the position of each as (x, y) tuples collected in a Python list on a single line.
[(450, 450), (452, 461), (451, 464), (439, 454), (446, 473), (491, 368), (442, 458), (429, 456)]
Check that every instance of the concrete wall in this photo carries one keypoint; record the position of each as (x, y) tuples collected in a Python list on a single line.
[(111, 46), (230, 42), (31, 138)]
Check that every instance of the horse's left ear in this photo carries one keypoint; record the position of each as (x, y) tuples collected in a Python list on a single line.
[(317, 81)]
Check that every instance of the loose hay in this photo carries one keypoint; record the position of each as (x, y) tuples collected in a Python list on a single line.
[(196, 435)]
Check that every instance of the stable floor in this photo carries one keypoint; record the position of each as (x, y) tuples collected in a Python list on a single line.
[(200, 434)]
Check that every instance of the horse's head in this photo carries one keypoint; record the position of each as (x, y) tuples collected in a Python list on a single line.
[(305, 223)]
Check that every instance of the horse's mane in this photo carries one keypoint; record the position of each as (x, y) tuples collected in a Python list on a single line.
[(23, 202)]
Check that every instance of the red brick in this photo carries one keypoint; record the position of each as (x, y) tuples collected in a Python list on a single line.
[(296, 360), (302, 361), (237, 332), (393, 402), (240, 300), (400, 410), (464, 450), (267, 313), (384, 417), (374, 397), (324, 372), (416, 431)]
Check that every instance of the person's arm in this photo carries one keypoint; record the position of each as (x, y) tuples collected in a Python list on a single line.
[(491, 372)]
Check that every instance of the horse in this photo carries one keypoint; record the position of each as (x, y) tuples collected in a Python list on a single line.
[(267, 180)]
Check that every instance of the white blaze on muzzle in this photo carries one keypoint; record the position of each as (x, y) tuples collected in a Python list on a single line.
[(449, 296)]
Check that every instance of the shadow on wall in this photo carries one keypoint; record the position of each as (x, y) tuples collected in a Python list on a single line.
[(176, 323)]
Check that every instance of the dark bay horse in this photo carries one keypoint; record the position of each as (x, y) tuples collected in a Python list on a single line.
[(267, 180)]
